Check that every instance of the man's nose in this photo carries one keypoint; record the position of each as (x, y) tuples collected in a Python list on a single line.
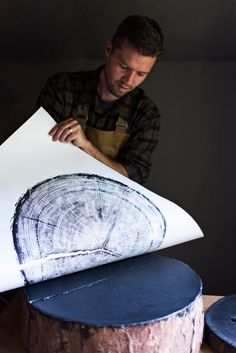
[(129, 77)]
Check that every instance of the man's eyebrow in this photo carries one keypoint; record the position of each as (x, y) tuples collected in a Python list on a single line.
[(124, 63)]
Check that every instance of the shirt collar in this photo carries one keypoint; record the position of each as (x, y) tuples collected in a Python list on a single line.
[(90, 97)]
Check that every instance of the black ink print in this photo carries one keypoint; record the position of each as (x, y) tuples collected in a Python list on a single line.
[(73, 222)]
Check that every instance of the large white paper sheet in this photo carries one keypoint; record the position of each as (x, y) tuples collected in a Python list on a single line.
[(30, 160)]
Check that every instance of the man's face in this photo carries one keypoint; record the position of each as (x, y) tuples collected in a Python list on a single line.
[(125, 69)]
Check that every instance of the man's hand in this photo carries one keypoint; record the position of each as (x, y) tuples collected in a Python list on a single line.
[(69, 130)]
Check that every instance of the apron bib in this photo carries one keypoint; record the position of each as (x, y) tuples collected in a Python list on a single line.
[(108, 142)]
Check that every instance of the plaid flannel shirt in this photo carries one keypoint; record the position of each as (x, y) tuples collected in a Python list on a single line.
[(65, 90)]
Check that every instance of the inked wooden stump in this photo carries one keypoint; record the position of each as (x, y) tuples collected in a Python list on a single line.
[(146, 304), (221, 325)]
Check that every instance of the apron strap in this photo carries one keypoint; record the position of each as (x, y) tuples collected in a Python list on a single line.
[(81, 114), (121, 125)]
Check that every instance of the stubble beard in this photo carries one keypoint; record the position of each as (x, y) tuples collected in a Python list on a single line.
[(112, 86), (112, 89)]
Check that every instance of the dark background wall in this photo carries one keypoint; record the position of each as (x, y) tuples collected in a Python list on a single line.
[(193, 85)]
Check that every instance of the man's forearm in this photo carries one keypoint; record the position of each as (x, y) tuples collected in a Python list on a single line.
[(70, 130), (94, 152)]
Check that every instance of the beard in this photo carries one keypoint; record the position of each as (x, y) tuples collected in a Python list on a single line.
[(117, 88)]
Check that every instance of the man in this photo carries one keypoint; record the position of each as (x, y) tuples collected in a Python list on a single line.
[(103, 112)]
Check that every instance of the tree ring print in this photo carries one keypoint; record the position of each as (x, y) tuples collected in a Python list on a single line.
[(73, 222)]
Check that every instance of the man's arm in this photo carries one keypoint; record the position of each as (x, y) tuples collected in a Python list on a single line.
[(57, 98), (133, 160), (136, 154), (70, 131)]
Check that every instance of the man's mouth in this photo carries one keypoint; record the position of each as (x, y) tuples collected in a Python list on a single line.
[(124, 86)]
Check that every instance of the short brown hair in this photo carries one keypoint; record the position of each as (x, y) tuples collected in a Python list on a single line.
[(142, 32)]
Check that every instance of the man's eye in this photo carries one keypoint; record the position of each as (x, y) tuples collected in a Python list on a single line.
[(141, 74)]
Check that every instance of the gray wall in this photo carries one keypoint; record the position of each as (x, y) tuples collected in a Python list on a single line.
[(193, 86), (194, 164)]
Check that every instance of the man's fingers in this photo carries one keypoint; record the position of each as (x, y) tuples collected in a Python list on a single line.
[(62, 130), (72, 132), (65, 123)]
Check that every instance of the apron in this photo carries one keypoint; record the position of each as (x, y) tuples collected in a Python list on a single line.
[(108, 142)]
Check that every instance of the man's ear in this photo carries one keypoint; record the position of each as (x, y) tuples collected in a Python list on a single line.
[(108, 48)]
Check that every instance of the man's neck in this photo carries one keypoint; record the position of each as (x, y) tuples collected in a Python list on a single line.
[(103, 91)]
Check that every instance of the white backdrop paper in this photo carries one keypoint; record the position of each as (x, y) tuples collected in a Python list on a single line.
[(30, 157)]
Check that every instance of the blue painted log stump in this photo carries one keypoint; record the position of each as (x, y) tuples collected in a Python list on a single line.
[(221, 325), (147, 303)]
